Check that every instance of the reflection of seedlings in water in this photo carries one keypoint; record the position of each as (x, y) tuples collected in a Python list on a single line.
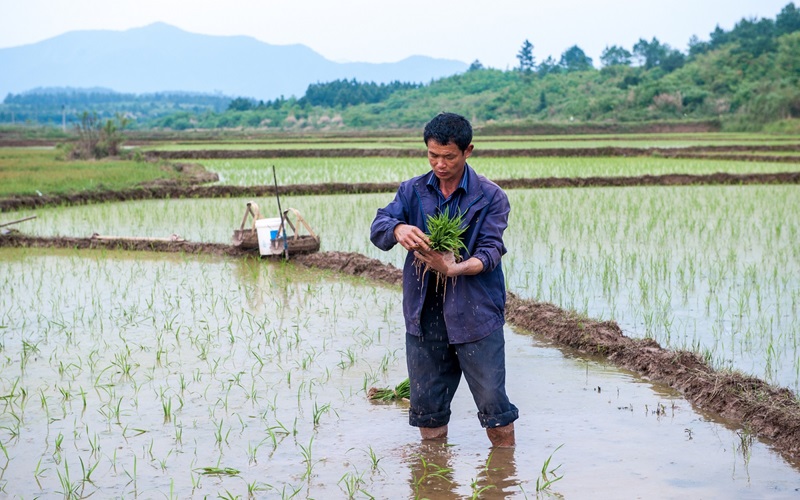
[(429, 471), (477, 489), (745, 445)]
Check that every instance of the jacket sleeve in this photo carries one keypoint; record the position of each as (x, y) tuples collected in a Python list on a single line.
[(489, 247), (382, 230)]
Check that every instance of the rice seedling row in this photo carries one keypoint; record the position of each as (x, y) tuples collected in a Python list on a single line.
[(248, 172)]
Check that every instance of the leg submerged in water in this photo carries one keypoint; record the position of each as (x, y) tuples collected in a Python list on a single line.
[(433, 432), (502, 437)]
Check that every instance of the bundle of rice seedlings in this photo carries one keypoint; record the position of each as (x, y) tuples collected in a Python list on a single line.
[(401, 391), (444, 234), (444, 231)]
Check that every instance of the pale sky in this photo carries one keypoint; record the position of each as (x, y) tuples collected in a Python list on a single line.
[(375, 31)]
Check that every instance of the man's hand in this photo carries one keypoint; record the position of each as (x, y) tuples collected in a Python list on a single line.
[(445, 263), (411, 237)]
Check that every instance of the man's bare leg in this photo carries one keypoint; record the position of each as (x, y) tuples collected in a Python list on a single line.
[(502, 437), (433, 432)]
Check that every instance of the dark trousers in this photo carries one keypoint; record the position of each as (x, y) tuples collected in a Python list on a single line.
[(435, 367)]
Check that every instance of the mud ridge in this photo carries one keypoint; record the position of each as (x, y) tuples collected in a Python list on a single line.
[(771, 413), (602, 151), (172, 189)]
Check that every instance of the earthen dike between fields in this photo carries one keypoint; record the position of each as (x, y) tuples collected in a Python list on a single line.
[(194, 179)]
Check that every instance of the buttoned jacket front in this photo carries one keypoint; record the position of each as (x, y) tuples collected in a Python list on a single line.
[(474, 306)]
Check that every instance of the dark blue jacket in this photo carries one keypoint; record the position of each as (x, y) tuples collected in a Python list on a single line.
[(474, 306)]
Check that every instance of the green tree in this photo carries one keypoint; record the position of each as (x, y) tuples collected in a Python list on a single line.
[(788, 20), (575, 59), (241, 104), (527, 63), (654, 54), (649, 53), (475, 66), (615, 56), (548, 66), (787, 60)]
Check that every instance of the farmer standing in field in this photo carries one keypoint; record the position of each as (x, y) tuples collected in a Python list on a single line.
[(456, 326)]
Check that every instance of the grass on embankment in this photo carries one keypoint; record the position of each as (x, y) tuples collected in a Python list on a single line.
[(39, 171)]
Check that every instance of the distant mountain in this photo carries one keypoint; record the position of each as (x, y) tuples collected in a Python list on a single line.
[(160, 57)]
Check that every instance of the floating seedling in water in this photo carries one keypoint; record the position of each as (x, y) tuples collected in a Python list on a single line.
[(401, 391)]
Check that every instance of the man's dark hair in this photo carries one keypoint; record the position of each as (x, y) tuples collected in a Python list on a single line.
[(449, 127)]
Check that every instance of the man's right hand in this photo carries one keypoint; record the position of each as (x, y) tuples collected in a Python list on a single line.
[(411, 237)]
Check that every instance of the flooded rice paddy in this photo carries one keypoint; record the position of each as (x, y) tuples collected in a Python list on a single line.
[(145, 375), (711, 269)]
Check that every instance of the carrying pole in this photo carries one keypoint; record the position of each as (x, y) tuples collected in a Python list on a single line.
[(283, 225), (18, 221)]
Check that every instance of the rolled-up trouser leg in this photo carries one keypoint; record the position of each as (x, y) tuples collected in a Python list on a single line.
[(483, 364)]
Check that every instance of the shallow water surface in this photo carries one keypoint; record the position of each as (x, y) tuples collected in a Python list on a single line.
[(129, 374)]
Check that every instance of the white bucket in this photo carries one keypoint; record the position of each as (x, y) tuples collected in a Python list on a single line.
[(267, 230)]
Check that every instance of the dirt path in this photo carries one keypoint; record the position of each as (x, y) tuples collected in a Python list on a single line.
[(769, 412), (175, 189)]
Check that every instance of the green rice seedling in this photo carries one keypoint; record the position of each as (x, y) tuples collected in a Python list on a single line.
[(548, 476), (351, 483), (166, 406), (252, 451), (86, 472), (319, 411), (38, 472), (69, 488), (254, 487), (307, 460)]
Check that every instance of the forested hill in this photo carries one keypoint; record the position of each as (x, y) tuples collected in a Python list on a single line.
[(744, 78)]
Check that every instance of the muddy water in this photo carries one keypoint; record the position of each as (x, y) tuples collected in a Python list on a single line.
[(147, 368)]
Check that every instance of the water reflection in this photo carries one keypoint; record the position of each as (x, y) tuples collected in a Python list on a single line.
[(432, 472)]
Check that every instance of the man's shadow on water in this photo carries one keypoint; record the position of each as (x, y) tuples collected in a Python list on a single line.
[(431, 467)]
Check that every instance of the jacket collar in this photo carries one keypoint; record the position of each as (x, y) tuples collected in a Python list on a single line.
[(471, 199)]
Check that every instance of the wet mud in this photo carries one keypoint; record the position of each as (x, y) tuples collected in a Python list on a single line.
[(191, 188)]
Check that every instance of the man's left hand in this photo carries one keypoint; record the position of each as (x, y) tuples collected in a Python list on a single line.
[(442, 262)]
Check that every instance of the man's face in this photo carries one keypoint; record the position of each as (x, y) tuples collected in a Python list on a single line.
[(447, 161)]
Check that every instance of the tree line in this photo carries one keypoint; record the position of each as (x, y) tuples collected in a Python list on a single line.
[(745, 78)]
